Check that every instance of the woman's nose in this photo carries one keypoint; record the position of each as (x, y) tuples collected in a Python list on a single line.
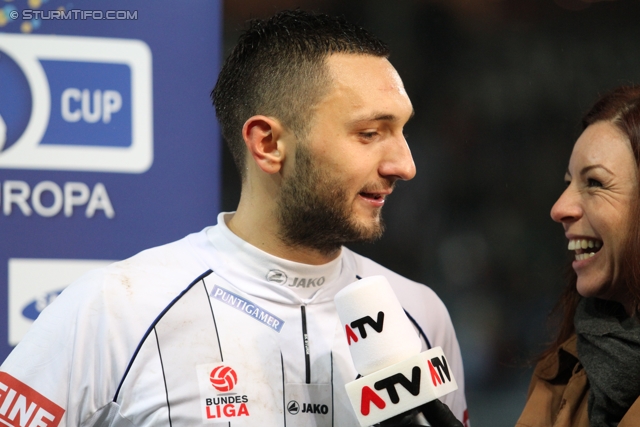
[(567, 208)]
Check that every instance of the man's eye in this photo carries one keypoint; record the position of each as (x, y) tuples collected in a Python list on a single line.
[(593, 183), (368, 135)]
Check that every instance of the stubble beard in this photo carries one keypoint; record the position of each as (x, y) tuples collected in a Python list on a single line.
[(315, 212)]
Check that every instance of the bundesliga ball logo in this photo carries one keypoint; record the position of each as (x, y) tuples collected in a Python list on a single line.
[(223, 378)]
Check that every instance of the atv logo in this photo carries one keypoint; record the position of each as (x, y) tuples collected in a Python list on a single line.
[(412, 386), (391, 391), (359, 324), (75, 103), (369, 396)]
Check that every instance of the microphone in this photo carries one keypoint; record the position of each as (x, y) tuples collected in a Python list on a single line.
[(397, 380)]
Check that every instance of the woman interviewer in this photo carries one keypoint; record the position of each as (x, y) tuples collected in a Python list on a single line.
[(590, 375)]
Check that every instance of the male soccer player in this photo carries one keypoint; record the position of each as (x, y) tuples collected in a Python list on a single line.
[(235, 325)]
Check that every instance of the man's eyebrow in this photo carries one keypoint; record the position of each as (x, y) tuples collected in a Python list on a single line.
[(379, 117)]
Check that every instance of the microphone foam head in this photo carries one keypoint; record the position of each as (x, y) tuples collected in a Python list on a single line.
[(378, 331)]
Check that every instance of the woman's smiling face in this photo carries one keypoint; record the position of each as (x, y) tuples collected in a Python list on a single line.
[(595, 208)]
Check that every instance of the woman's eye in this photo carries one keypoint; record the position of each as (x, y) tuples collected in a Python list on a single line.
[(593, 183)]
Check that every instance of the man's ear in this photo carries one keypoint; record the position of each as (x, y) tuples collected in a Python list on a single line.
[(262, 136)]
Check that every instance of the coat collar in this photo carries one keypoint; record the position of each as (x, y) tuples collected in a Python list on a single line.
[(560, 364)]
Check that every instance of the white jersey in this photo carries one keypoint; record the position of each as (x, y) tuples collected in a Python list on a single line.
[(208, 330)]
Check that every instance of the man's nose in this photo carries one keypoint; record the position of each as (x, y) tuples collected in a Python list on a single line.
[(398, 161)]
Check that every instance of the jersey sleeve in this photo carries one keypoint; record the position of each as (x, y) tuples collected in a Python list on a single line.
[(440, 331), (61, 361), (77, 351)]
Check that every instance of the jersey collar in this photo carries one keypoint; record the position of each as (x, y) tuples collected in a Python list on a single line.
[(264, 275)]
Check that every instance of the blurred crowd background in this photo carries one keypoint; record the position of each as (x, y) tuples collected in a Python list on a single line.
[(498, 87)]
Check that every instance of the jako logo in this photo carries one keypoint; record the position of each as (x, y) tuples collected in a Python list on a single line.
[(223, 378), (315, 408), (281, 278), (307, 282), (308, 408), (277, 276), (293, 407), (358, 324), (75, 103), (438, 369)]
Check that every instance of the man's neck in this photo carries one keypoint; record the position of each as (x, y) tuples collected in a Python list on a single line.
[(261, 231)]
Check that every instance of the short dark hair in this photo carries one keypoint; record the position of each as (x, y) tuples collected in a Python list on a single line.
[(278, 69), (620, 107)]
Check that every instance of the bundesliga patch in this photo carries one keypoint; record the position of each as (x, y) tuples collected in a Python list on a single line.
[(221, 396), (247, 307), (20, 405)]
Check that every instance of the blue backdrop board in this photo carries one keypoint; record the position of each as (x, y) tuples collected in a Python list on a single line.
[(108, 140)]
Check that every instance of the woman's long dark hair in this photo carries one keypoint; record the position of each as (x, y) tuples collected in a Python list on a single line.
[(621, 107)]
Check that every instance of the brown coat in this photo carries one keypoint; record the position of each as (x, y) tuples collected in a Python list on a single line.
[(558, 393)]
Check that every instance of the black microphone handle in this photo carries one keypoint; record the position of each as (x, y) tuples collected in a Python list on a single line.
[(403, 420), (437, 414)]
